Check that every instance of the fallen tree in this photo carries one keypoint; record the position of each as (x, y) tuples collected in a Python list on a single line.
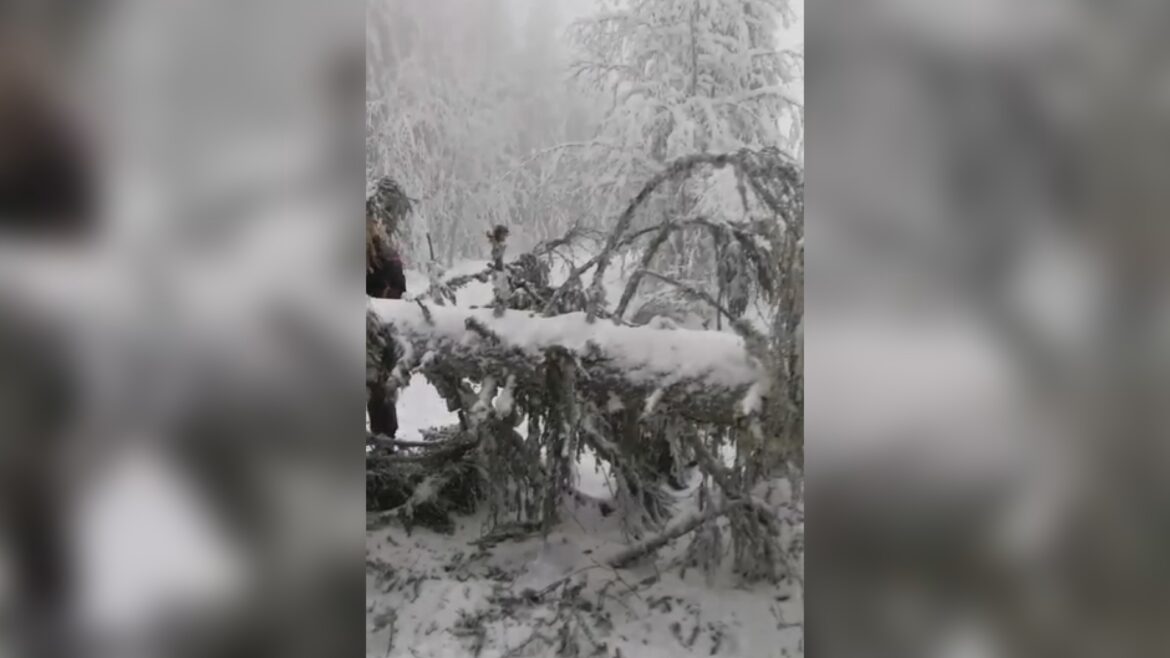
[(577, 384), (548, 372), (701, 375)]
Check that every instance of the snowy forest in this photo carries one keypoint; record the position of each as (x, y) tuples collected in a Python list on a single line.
[(594, 372)]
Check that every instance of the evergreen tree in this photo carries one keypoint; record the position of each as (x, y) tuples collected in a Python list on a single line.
[(683, 77)]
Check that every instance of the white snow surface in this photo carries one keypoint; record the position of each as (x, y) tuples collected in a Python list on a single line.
[(419, 587)]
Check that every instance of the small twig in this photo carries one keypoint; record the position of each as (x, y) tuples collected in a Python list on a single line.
[(647, 257), (679, 529), (426, 312), (393, 624), (477, 326), (520, 647), (688, 290), (513, 531), (618, 578)]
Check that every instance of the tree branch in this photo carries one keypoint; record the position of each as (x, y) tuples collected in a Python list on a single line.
[(673, 531)]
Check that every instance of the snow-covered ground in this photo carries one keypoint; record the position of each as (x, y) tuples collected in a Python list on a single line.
[(430, 595), (440, 596)]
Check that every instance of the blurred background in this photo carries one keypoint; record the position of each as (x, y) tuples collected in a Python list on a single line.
[(988, 328), (181, 359), (987, 344)]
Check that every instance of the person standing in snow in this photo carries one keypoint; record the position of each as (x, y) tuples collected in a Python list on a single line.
[(48, 201), (385, 279), (384, 275)]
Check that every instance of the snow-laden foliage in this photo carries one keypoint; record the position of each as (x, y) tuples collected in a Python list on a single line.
[(644, 400), (489, 120), (685, 76), (459, 99)]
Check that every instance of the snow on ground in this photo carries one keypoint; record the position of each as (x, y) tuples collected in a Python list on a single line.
[(420, 408), (430, 595), (421, 589)]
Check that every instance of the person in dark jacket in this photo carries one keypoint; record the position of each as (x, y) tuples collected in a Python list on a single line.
[(48, 180), (48, 200), (384, 280)]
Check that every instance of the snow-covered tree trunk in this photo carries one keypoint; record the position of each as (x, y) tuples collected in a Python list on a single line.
[(703, 376)]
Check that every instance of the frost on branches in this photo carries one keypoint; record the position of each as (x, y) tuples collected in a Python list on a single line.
[(536, 381)]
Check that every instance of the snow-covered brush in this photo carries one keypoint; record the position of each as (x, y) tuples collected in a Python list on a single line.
[(560, 376), (766, 177), (683, 395), (527, 278)]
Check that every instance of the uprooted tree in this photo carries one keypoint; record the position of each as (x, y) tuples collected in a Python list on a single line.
[(550, 371)]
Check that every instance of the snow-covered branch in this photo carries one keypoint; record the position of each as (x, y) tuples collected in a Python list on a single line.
[(703, 375)]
